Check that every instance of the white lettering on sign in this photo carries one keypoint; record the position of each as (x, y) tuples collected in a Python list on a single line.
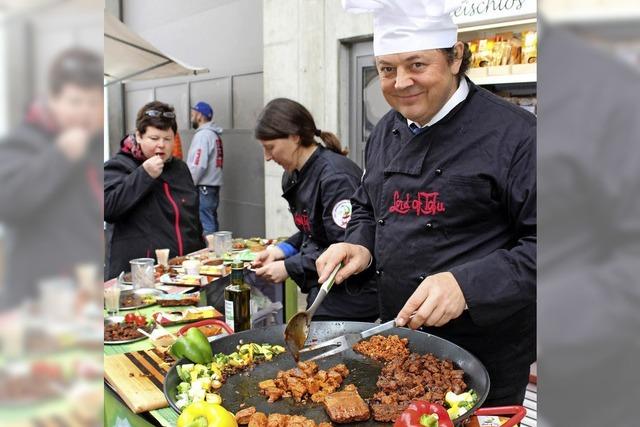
[(472, 11)]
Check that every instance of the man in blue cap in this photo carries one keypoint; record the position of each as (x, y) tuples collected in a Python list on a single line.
[(205, 163)]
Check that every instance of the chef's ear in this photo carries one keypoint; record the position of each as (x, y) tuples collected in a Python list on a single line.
[(138, 137), (295, 139), (458, 54)]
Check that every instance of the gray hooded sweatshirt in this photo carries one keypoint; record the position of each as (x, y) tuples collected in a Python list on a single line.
[(206, 156)]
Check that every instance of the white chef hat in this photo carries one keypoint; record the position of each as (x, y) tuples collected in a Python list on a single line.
[(408, 25)]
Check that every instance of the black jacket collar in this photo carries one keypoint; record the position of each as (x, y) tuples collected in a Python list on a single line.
[(291, 180)]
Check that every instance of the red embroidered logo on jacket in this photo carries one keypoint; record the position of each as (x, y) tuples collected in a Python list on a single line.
[(302, 222), (424, 204), (196, 161)]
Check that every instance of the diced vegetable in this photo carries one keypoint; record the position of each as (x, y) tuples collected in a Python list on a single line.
[(200, 381), (213, 398), (459, 404)]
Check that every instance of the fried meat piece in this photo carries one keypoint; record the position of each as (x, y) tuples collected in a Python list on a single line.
[(277, 420), (281, 420), (387, 413), (243, 416), (304, 382), (300, 421), (341, 368), (346, 407), (264, 385), (350, 387), (258, 420), (273, 393)]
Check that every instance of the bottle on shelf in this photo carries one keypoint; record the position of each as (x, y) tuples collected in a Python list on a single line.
[(237, 300)]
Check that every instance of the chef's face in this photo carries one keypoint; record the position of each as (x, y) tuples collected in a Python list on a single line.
[(156, 142), (283, 151), (418, 84)]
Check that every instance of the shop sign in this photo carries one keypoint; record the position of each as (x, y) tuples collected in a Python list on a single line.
[(481, 11)]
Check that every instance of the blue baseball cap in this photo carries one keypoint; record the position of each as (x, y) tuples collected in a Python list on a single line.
[(203, 108)]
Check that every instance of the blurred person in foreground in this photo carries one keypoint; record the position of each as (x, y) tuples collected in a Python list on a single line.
[(50, 196), (317, 183), (447, 205), (205, 159), (150, 201), (588, 266)]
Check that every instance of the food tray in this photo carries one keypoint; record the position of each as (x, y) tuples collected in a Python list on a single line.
[(120, 319), (140, 292)]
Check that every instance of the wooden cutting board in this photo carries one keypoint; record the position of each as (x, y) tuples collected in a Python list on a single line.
[(137, 377), (66, 420)]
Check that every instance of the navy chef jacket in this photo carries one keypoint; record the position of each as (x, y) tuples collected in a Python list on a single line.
[(318, 197), (461, 197)]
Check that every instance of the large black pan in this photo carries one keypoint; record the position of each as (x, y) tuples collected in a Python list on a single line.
[(243, 388)]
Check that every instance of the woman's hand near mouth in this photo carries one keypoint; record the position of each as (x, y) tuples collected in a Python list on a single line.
[(154, 166)]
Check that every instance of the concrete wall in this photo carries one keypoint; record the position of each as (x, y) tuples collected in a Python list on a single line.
[(305, 59), (224, 36)]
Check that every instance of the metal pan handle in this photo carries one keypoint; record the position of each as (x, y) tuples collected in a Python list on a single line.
[(517, 413)]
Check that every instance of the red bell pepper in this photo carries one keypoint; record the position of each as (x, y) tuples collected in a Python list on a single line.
[(421, 413)]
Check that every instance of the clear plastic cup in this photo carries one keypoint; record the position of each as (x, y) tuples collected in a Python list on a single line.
[(222, 242), (191, 267), (162, 255), (211, 239), (112, 299), (142, 273)]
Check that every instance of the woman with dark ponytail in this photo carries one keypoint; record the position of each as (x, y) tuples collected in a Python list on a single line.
[(317, 183)]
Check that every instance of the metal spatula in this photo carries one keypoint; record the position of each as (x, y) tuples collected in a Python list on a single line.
[(297, 330), (346, 341)]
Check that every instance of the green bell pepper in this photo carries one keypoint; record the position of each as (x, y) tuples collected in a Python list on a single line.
[(194, 346)]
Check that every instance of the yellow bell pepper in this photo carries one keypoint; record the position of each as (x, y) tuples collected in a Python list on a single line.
[(205, 414)]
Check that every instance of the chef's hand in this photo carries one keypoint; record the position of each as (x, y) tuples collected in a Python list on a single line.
[(274, 272), (154, 166), (73, 143), (437, 300), (354, 259), (267, 256)]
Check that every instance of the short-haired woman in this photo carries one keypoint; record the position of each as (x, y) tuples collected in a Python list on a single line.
[(150, 201)]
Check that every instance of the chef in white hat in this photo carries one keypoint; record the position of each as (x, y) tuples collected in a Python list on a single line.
[(446, 210)]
